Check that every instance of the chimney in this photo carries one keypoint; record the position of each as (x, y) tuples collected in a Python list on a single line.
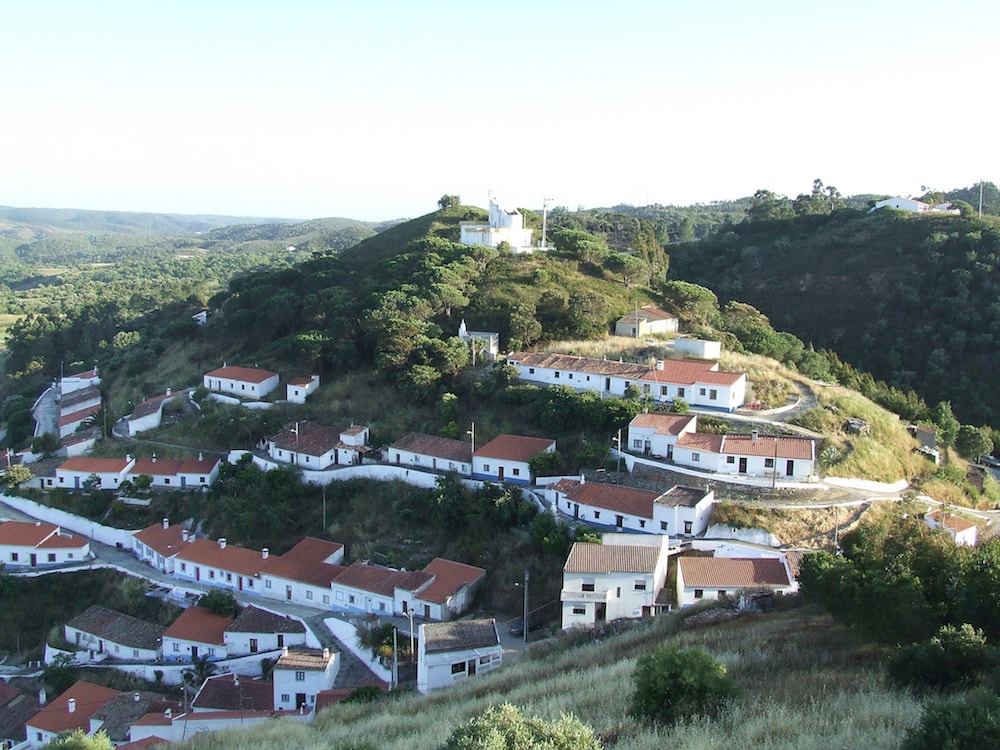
[(754, 435), (168, 391), (264, 553), (135, 697), (184, 535), (326, 653), (168, 713), (201, 456), (166, 523), (222, 543), (154, 458), (583, 479), (71, 705), (284, 650), (659, 364), (41, 697)]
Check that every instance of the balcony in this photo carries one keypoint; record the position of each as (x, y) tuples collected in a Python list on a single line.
[(569, 595)]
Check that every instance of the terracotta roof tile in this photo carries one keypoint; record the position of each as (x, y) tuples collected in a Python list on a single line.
[(313, 439), (381, 580), (732, 572), (449, 578), (700, 441), (165, 541), (459, 635), (87, 465), (432, 445), (233, 693), (155, 467), (614, 498), (123, 710), (664, 424), (195, 465), (514, 447), (307, 562), (199, 625), (16, 709), (233, 558), (950, 521), (78, 416), (56, 716), (64, 541), (246, 374), (764, 445), (305, 659), (586, 557), (25, 534), (253, 619), (680, 495), (569, 363)]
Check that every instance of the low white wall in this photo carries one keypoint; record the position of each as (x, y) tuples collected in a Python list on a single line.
[(631, 461), (866, 485), (231, 400), (72, 523), (347, 633)]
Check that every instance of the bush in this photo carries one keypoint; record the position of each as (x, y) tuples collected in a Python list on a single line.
[(955, 657), (220, 602), (506, 727), (968, 723), (674, 683)]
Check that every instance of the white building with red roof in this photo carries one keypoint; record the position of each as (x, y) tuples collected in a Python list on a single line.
[(36, 545), (656, 433), (79, 381), (300, 675), (422, 451), (699, 382), (219, 564), (175, 473), (376, 589), (304, 574), (709, 578), (961, 530), (622, 578), (449, 592), (680, 511), (506, 458), (297, 390), (158, 545), (753, 455), (69, 422), (196, 633), (646, 321), (73, 709), (315, 447), (74, 473), (256, 630), (243, 382), (149, 414)]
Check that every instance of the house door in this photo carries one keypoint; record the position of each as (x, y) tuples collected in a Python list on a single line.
[(34, 559), (434, 464), (427, 611), (100, 647), (300, 700), (576, 510), (281, 640), (194, 653), (253, 646), (472, 667), (646, 447), (743, 465), (607, 384), (670, 452), (790, 468), (619, 521), (197, 574), (500, 473), (239, 582), (600, 612), (288, 593)]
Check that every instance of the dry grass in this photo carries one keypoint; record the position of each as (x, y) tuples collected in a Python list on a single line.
[(811, 528)]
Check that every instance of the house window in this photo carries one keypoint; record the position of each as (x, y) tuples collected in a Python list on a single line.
[(687, 527), (350, 599), (69, 556), (211, 651), (486, 467), (639, 585), (300, 676), (135, 653), (680, 393), (309, 594), (166, 480), (253, 646), (249, 583), (713, 394), (730, 459), (642, 524), (229, 577), (597, 514), (663, 390), (484, 659), (587, 586), (13, 555), (696, 457), (285, 698), (663, 525), (62, 480), (267, 583), (458, 668), (177, 648), (381, 606), (52, 557), (326, 598), (637, 443), (516, 472), (699, 593), (701, 391), (203, 480), (211, 574), (570, 376), (722, 592), (768, 463), (531, 370), (557, 375), (579, 610), (183, 567), (117, 649), (340, 596)]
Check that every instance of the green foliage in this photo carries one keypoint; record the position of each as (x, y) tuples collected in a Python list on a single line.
[(220, 602), (679, 406), (955, 657), (948, 426), (377, 637), (546, 464), (16, 475), (364, 694), (60, 673), (449, 201), (506, 727), (47, 443), (551, 535), (676, 683), (968, 722), (79, 740), (200, 670), (972, 442)]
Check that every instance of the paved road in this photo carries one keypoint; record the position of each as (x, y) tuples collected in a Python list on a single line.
[(46, 412)]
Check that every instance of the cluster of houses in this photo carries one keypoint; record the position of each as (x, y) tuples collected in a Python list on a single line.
[(506, 458)]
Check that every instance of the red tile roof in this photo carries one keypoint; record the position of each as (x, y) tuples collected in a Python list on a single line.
[(691, 371), (199, 625), (165, 541), (25, 534), (246, 374), (664, 424), (700, 441), (306, 562), (233, 558), (86, 465), (514, 447), (950, 521), (586, 557), (152, 405), (313, 439), (78, 416), (233, 693), (302, 381), (201, 466), (56, 716), (680, 495), (432, 445), (614, 498), (732, 572), (253, 619), (64, 541), (381, 580), (569, 363), (85, 375), (296, 659), (449, 578), (155, 467), (764, 445)]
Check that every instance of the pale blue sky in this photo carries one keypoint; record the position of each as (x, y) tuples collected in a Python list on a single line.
[(374, 109)]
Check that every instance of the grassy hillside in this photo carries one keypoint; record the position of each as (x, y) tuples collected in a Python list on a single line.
[(806, 683), (81, 220), (910, 298)]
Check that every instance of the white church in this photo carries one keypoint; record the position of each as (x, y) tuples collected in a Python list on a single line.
[(505, 225)]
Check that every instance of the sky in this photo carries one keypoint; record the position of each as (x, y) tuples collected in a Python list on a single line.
[(373, 110)]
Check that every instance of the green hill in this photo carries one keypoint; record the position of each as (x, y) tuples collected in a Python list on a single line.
[(81, 220)]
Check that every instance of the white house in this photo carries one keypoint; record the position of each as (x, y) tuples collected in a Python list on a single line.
[(119, 636), (506, 458), (244, 382), (300, 674), (38, 544), (177, 473), (753, 455), (257, 630), (656, 433), (298, 389), (71, 383), (149, 414), (315, 446), (219, 564), (699, 382), (447, 594), (196, 633), (109, 472), (73, 709), (81, 398), (911, 204), (646, 321), (198, 471), (505, 225), (698, 347), (452, 652), (610, 581), (158, 545), (701, 578), (304, 574), (486, 344), (376, 589), (68, 422), (422, 451), (961, 530)]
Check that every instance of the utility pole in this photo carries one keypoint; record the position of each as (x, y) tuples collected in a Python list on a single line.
[(545, 217), (774, 477), (980, 197), (472, 432), (526, 627), (324, 508)]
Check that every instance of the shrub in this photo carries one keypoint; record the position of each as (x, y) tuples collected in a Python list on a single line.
[(674, 683), (967, 723), (220, 602), (506, 727), (955, 657)]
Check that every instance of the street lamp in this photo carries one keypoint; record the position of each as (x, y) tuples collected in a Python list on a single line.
[(295, 431), (472, 434), (409, 613), (525, 621)]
